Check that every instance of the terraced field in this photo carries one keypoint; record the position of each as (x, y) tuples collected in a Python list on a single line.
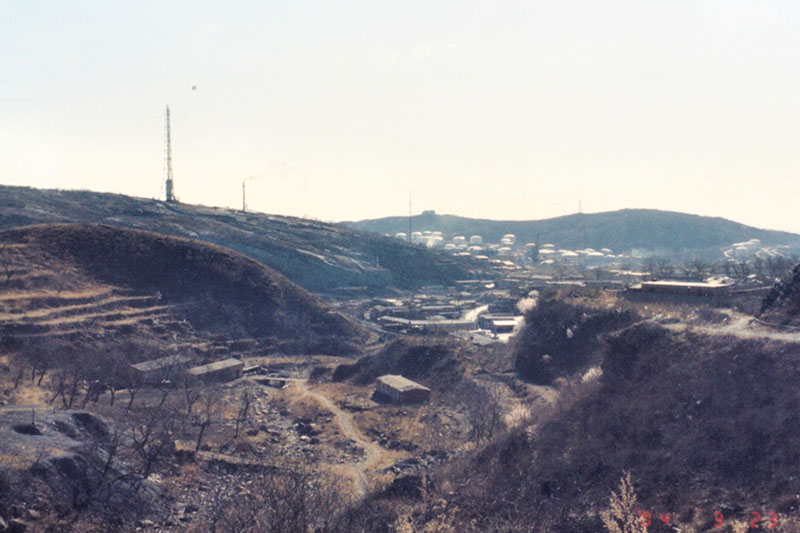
[(42, 298)]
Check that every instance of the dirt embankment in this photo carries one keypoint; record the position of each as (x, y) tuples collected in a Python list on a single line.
[(561, 337), (703, 422), (437, 363), (782, 304)]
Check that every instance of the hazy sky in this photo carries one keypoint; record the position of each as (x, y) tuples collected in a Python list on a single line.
[(505, 110)]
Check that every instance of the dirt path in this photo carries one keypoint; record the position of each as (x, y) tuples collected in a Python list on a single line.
[(349, 430), (742, 326)]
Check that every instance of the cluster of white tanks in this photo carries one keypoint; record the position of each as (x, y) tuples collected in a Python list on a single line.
[(548, 253), (461, 244)]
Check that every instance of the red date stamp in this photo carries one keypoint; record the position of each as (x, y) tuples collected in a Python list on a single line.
[(758, 520)]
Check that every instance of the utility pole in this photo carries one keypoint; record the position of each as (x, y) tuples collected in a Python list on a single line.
[(244, 191)]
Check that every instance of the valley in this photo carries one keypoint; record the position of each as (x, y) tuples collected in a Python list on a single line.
[(157, 383)]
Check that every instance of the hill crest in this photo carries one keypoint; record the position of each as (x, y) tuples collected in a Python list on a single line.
[(318, 256), (621, 231)]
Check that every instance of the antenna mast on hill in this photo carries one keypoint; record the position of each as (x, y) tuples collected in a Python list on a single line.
[(170, 187)]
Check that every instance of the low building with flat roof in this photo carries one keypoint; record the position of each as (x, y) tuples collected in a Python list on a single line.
[(402, 390), (497, 323), (681, 290), (161, 369), (225, 370)]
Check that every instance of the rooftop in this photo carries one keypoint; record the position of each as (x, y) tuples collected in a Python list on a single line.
[(400, 383), (216, 366), (164, 362), (676, 283)]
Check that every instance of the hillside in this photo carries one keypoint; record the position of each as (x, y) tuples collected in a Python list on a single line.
[(618, 230), (88, 279), (315, 255), (704, 423)]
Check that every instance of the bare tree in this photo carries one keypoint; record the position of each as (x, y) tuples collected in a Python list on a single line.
[(41, 356), (244, 407), (741, 270), (484, 412), (67, 384), (134, 386), (8, 259), (277, 500), (204, 415), (151, 437), (698, 269)]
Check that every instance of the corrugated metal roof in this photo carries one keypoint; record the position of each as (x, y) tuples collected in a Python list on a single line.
[(216, 366), (400, 383), (164, 362)]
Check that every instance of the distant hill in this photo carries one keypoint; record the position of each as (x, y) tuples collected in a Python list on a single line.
[(315, 255), (620, 231), (81, 281)]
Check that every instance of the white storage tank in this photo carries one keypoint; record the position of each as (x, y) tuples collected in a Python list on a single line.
[(435, 241), (459, 239), (510, 237), (400, 235), (476, 239)]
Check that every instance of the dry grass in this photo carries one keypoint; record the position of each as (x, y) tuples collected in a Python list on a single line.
[(621, 515), (22, 314), (93, 292)]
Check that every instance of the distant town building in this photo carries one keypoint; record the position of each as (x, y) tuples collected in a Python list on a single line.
[(401, 390), (668, 289)]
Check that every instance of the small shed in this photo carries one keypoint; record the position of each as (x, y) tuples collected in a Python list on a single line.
[(402, 390), (157, 370), (225, 370)]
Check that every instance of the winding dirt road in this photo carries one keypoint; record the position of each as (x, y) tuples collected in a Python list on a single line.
[(349, 430), (741, 326)]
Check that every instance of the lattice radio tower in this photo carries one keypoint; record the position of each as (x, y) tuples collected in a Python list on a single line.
[(169, 186)]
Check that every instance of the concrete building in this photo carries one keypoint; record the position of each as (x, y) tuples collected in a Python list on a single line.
[(225, 370), (685, 288), (669, 290), (401, 390), (157, 370), (501, 323), (426, 326)]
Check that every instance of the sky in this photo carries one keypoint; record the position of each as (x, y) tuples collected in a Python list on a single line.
[(342, 110)]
